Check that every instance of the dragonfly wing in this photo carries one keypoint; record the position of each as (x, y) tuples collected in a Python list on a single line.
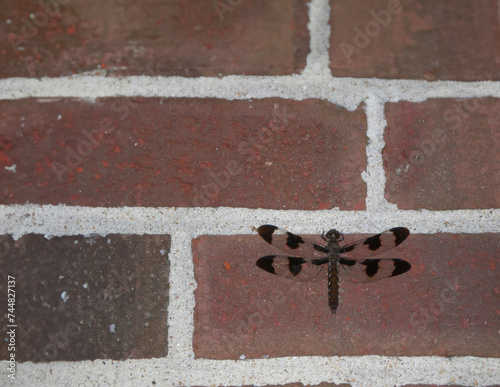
[(371, 270), (291, 243), (294, 268), (376, 244)]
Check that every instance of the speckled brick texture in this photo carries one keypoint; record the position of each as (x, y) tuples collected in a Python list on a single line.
[(86, 298), (446, 305), (206, 119), (269, 153), (415, 39), (442, 154), (187, 38)]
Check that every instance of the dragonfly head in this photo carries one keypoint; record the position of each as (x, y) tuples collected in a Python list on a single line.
[(334, 234)]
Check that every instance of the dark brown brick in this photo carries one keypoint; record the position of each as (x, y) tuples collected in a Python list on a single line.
[(415, 39), (270, 153), (71, 290), (448, 304), (186, 38), (442, 154)]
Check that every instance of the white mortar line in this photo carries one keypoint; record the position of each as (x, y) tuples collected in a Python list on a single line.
[(355, 370), (374, 176), (347, 92), (18, 220), (181, 299), (318, 59), (383, 371)]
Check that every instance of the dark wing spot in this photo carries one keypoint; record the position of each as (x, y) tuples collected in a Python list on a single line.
[(347, 249), (319, 261), (266, 263), (293, 241), (266, 232), (295, 265), (347, 262), (400, 233), (400, 266), (373, 242), (320, 249), (371, 266)]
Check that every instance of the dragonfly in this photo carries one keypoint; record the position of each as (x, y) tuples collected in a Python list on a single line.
[(350, 261)]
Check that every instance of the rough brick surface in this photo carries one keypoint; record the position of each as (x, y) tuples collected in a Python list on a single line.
[(419, 39), (268, 153), (84, 298), (442, 154), (185, 38), (448, 304)]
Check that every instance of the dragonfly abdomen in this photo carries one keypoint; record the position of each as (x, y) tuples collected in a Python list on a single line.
[(333, 286)]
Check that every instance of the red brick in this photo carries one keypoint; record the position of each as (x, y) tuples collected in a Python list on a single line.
[(69, 290), (268, 153), (186, 38), (421, 39), (442, 154), (448, 304)]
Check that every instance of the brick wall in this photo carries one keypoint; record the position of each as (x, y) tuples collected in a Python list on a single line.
[(142, 144)]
